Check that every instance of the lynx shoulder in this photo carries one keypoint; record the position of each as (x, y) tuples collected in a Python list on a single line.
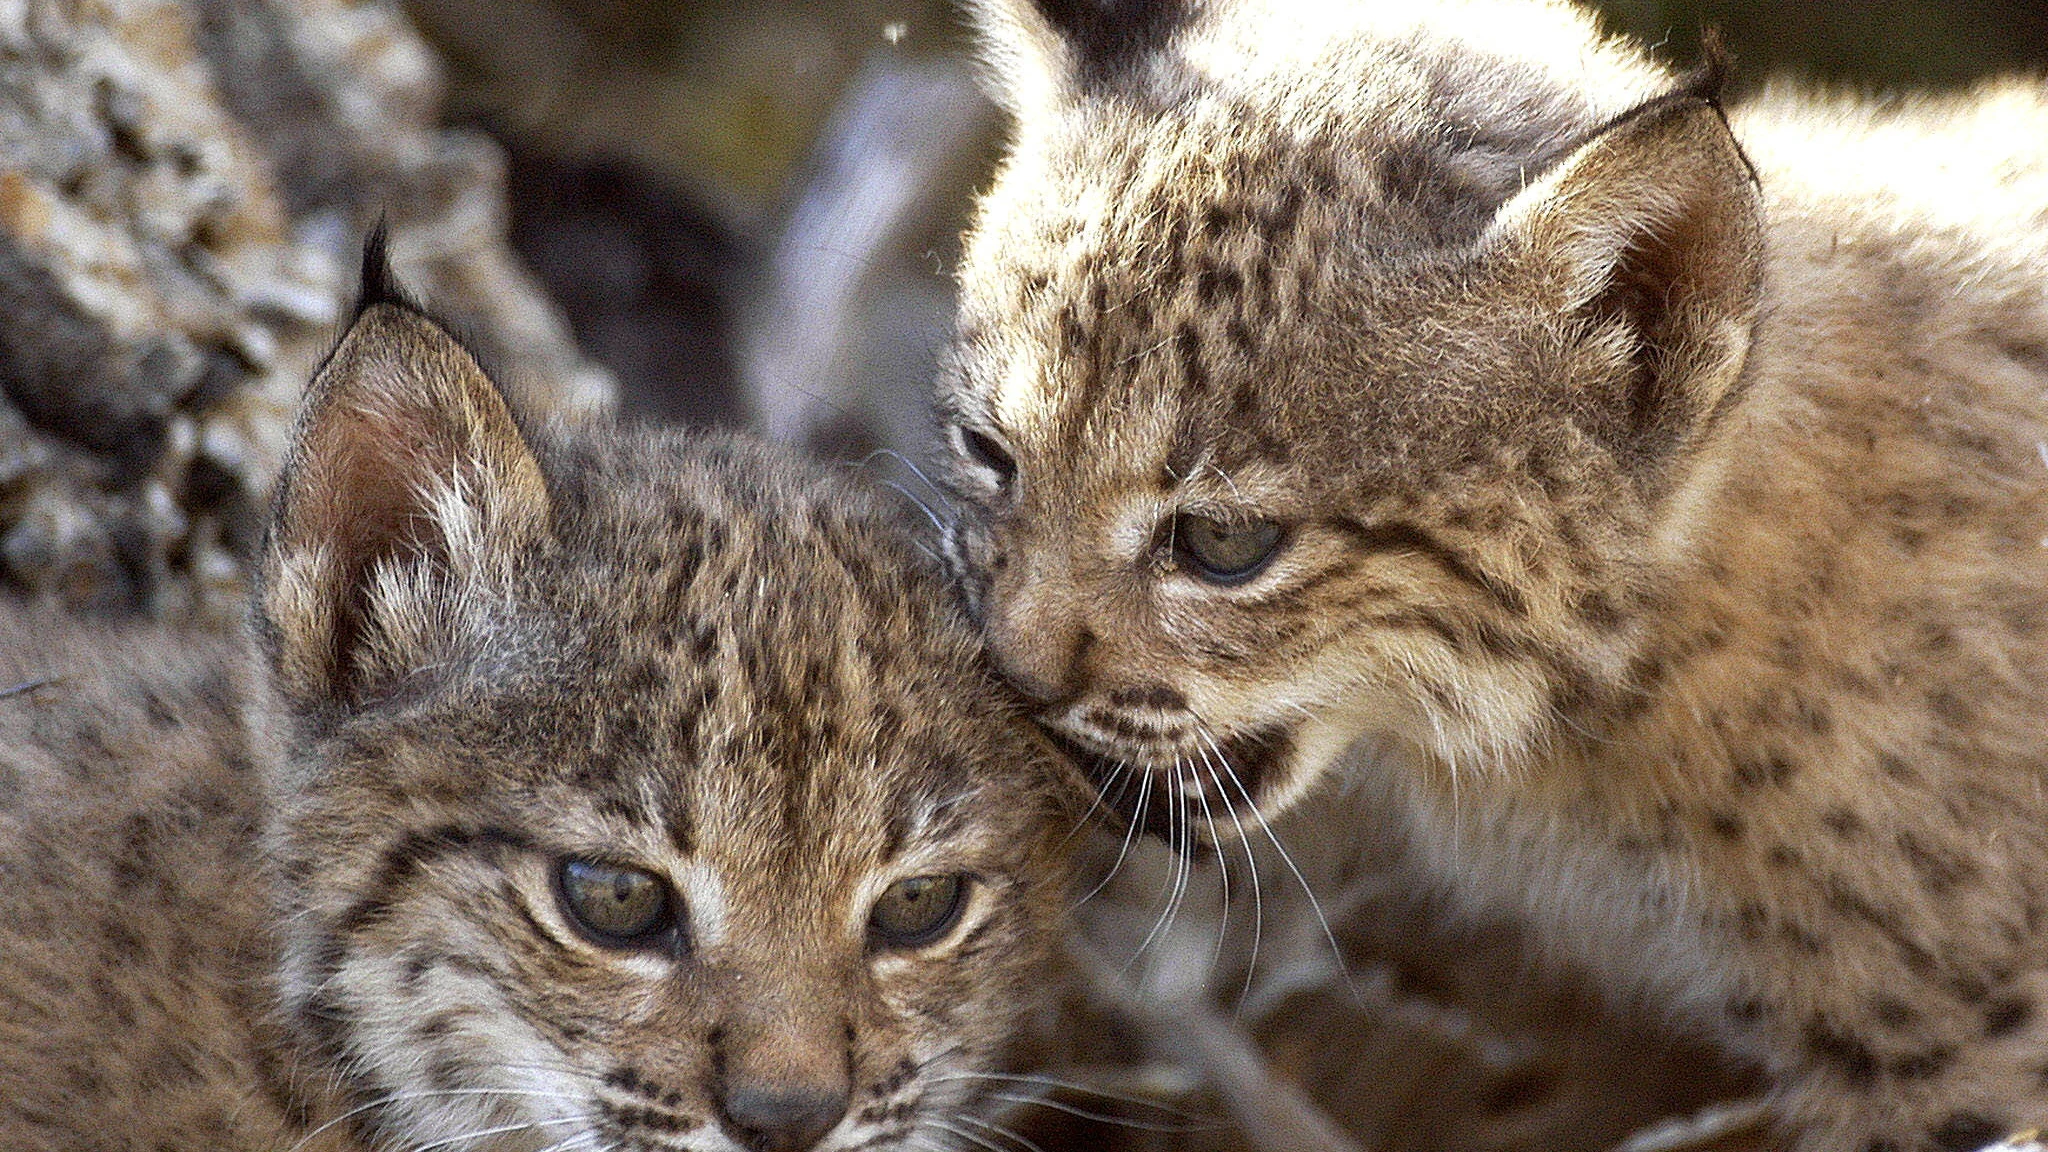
[(1648, 499), (589, 788)]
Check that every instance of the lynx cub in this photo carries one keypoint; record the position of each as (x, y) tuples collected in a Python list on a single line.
[(593, 790), (1657, 510)]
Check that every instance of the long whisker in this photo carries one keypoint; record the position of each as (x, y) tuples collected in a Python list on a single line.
[(1223, 864), (501, 1130), (1100, 793), (998, 1129), (923, 507), (1315, 905), (935, 489), (1055, 1082), (964, 1134), (1251, 863), (1166, 912), (1130, 836), (1085, 1114), (1181, 823), (406, 1097)]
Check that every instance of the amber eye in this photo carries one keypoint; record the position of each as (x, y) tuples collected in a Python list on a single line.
[(1225, 552), (917, 911), (982, 448), (617, 906)]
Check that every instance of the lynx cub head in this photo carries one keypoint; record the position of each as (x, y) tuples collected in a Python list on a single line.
[(1326, 372), (641, 791)]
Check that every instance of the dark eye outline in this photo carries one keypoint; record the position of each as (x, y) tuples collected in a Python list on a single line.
[(1190, 559), (984, 450), (932, 933), (663, 931)]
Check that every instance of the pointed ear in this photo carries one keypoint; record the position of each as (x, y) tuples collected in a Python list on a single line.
[(1651, 236), (406, 480), (1035, 51)]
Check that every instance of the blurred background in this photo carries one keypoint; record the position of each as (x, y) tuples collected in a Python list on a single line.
[(711, 213), (749, 210), (746, 214)]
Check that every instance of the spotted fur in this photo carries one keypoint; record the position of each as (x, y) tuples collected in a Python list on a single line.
[(1664, 497), (309, 900)]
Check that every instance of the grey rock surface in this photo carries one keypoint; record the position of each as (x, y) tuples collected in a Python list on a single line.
[(183, 187)]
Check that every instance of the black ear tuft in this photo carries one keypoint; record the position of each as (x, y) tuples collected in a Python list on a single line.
[(379, 285), (1110, 37)]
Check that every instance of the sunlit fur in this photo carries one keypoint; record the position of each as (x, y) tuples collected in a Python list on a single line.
[(322, 915), (1666, 495)]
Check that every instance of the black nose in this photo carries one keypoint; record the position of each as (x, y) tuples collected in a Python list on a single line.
[(781, 1118)]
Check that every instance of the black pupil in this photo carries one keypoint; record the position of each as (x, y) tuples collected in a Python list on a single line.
[(916, 911), (1223, 551), (614, 903), (989, 453)]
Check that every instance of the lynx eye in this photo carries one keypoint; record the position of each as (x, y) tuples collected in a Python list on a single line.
[(616, 906), (917, 911), (1225, 552), (983, 450)]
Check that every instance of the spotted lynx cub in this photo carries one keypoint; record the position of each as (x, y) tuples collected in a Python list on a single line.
[(593, 789), (1650, 505)]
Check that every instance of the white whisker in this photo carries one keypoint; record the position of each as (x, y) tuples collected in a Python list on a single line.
[(1251, 862), (1315, 905), (964, 1134), (923, 507), (916, 471), (1052, 1082), (427, 1094), (1085, 1114), (1165, 912), (1223, 865), (501, 1130), (1130, 835), (998, 1129)]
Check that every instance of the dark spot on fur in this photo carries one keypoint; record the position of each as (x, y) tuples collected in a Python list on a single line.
[(1949, 707), (1939, 871), (2007, 1016), (1802, 939), (1187, 344), (1158, 696), (1755, 772), (1783, 856), (1240, 336), (1848, 1055), (1726, 825), (1751, 920), (159, 713), (1923, 1065), (1845, 824), (1966, 1132), (1893, 1013)]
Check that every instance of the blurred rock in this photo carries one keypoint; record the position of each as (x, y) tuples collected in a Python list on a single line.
[(182, 191), (646, 276)]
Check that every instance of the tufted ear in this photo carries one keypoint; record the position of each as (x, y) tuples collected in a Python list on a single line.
[(1650, 238), (1036, 51), (406, 478)]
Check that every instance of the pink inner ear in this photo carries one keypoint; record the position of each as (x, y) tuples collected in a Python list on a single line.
[(365, 473), (399, 408)]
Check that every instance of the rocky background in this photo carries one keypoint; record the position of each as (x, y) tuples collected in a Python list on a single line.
[(744, 214)]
